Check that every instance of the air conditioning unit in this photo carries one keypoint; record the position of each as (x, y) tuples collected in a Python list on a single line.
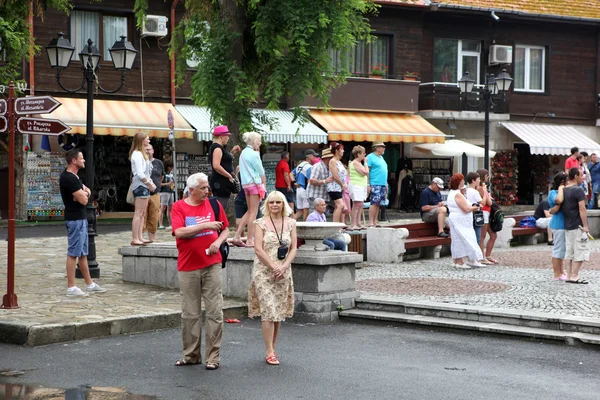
[(500, 54), (155, 25)]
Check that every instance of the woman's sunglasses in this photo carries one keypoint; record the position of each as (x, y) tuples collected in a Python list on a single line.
[(275, 202)]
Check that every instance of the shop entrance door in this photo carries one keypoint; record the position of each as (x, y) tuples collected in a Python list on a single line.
[(526, 179)]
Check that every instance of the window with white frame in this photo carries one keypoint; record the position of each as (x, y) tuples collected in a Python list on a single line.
[(530, 68), (104, 30), (454, 57)]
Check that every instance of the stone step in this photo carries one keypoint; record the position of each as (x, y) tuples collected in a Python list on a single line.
[(43, 334), (568, 337), (480, 314)]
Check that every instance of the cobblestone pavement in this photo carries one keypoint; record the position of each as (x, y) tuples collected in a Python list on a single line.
[(41, 282), (521, 281)]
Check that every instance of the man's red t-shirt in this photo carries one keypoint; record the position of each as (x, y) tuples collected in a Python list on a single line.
[(192, 251), (281, 167), (571, 163)]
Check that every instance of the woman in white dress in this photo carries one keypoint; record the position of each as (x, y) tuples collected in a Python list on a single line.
[(464, 243)]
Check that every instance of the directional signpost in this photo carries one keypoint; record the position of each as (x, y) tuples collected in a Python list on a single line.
[(36, 105), (14, 108), (42, 126)]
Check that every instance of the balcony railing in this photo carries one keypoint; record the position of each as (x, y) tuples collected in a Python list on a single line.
[(447, 97), (367, 94)]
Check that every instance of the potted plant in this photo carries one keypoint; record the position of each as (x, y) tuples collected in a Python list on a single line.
[(378, 71), (411, 76)]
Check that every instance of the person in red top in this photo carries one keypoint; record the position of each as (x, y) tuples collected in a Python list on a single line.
[(572, 162), (283, 181), (196, 230)]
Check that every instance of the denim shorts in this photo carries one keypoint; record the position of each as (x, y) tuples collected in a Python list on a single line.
[(141, 192), (77, 237), (559, 250)]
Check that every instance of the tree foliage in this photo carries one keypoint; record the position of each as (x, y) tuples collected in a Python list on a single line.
[(16, 40), (264, 50)]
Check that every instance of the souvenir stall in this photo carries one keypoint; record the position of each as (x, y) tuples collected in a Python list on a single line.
[(43, 194), (504, 177)]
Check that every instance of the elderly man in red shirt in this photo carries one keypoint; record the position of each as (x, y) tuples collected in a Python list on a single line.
[(199, 234)]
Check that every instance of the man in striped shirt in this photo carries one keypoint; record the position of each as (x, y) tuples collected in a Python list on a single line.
[(319, 178)]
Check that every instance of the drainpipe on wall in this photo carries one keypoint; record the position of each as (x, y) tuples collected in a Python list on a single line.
[(173, 6)]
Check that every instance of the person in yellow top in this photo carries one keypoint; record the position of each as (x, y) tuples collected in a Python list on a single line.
[(359, 172)]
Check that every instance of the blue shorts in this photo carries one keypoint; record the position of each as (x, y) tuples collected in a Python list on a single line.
[(377, 194), (141, 192), (77, 237), (559, 250)]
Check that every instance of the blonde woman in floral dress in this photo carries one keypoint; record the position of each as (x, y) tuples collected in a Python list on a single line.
[(271, 294)]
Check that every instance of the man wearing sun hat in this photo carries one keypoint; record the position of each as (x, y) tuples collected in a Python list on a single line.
[(319, 177), (378, 175), (433, 209)]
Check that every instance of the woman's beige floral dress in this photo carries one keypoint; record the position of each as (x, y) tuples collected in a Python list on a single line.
[(268, 298)]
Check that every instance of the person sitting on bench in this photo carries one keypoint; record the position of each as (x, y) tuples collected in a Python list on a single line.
[(433, 209)]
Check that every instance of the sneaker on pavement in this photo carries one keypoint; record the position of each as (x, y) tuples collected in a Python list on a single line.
[(476, 264), (161, 227), (75, 291), (443, 235), (462, 266), (95, 288)]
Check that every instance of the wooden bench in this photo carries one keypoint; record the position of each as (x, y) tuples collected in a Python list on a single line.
[(525, 235), (423, 236)]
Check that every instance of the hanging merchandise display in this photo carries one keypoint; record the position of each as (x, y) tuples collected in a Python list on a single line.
[(67, 142), (505, 176), (540, 167), (425, 169), (43, 191)]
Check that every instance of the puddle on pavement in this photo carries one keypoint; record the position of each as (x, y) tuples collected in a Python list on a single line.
[(30, 392)]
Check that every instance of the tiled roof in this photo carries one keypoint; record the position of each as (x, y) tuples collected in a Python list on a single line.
[(589, 9), (567, 8), (405, 2)]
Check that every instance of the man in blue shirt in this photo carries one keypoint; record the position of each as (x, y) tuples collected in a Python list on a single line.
[(433, 209), (378, 186), (302, 174), (594, 167)]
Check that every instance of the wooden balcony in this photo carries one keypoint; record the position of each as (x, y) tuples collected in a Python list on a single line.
[(446, 97), (368, 94)]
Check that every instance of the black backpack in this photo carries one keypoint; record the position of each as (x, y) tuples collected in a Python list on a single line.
[(224, 249), (496, 217)]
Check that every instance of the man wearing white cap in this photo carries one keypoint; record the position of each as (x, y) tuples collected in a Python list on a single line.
[(432, 207)]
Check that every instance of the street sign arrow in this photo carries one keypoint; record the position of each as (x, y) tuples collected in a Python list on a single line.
[(42, 126), (2, 107), (36, 105), (3, 124)]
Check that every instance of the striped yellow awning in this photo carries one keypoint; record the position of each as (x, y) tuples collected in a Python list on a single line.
[(121, 118), (371, 126)]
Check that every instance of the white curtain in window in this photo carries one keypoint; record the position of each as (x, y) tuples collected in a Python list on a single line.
[(84, 25), (520, 68), (113, 28), (380, 51), (536, 63)]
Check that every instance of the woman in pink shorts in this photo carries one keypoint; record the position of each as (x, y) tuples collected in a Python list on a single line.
[(253, 181)]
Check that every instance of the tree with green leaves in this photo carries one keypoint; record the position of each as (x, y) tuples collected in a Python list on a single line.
[(16, 41), (265, 50)]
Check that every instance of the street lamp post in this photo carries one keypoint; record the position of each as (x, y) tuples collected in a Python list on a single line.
[(60, 51), (493, 85)]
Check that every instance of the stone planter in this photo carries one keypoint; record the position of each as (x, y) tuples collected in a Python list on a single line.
[(313, 234)]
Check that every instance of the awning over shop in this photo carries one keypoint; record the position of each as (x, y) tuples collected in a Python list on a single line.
[(453, 148), (552, 139), (121, 118), (370, 126), (284, 130)]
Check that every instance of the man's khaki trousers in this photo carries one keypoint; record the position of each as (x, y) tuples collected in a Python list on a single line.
[(204, 283)]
